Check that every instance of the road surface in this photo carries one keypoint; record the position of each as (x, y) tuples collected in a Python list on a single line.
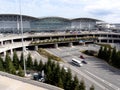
[(96, 72)]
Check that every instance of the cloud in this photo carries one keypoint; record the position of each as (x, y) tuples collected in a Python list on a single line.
[(100, 12), (108, 10)]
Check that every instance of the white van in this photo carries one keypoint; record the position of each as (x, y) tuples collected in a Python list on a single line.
[(77, 62)]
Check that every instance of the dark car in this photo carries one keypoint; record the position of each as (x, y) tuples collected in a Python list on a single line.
[(84, 62)]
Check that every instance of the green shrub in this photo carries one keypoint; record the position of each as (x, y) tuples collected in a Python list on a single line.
[(90, 52), (49, 55)]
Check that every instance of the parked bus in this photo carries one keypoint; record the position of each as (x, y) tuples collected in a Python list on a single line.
[(77, 62)]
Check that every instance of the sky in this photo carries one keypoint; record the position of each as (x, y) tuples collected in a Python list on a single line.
[(106, 10)]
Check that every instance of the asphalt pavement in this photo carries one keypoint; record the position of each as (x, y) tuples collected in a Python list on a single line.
[(97, 71)]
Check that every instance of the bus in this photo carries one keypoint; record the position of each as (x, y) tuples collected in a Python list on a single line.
[(77, 62)]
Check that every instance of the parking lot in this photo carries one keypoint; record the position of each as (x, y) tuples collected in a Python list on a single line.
[(104, 76)]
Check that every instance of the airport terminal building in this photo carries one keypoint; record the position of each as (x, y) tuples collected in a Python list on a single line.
[(10, 23)]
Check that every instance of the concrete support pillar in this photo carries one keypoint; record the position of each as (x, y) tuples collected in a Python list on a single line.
[(83, 43), (70, 44), (1, 43), (12, 41), (36, 48), (107, 40), (24, 48), (112, 41), (107, 35), (32, 39), (50, 38), (4, 53), (56, 45), (64, 37), (11, 51), (4, 42), (95, 41), (99, 40), (76, 37)]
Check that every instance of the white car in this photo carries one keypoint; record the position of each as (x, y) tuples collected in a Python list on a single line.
[(66, 69), (81, 64)]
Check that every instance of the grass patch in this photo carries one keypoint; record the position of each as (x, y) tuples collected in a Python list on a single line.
[(90, 52), (104, 45), (48, 55)]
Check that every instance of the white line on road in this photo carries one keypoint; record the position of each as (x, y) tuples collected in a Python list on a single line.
[(104, 81), (87, 77), (59, 49)]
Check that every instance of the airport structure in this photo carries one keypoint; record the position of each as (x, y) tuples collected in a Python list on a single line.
[(10, 23), (53, 32)]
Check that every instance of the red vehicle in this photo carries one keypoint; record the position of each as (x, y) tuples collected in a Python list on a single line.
[(81, 56), (83, 59)]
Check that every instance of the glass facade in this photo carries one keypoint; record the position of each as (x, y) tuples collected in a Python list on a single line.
[(83, 24), (50, 24), (11, 23)]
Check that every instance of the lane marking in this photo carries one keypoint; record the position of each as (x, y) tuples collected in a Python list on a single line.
[(104, 81), (59, 49), (87, 77)]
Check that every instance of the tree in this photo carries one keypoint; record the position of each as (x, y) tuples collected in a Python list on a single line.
[(68, 80), (63, 75), (49, 62), (113, 56), (75, 83), (35, 64), (53, 65), (9, 67), (21, 62), (48, 78), (29, 62), (109, 54), (82, 85), (6, 63), (105, 53), (40, 66), (53, 68), (100, 52), (20, 71), (1, 64), (60, 83), (57, 74), (117, 60), (15, 60), (92, 87)]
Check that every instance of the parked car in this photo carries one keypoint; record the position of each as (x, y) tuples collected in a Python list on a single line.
[(66, 69), (84, 62), (81, 56), (38, 77)]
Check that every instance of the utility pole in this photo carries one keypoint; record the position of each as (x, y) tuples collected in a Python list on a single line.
[(21, 27)]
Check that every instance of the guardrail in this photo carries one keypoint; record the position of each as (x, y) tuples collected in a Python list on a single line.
[(29, 81)]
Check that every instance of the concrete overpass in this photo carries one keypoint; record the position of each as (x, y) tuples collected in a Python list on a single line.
[(13, 41)]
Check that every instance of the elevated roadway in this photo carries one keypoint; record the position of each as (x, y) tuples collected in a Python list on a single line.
[(90, 71), (11, 41)]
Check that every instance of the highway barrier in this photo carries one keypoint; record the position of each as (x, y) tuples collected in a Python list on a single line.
[(29, 81)]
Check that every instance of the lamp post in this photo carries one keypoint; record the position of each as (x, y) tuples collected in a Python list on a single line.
[(21, 27)]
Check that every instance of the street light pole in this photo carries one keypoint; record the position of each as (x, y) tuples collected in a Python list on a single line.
[(21, 27)]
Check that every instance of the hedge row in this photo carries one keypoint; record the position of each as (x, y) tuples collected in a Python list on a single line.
[(48, 55)]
